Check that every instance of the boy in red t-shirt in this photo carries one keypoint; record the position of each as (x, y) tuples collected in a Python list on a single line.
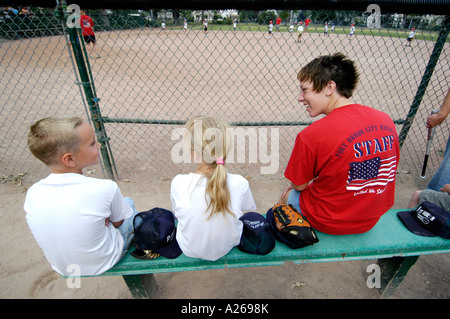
[(278, 23), (87, 26), (342, 168), (307, 22)]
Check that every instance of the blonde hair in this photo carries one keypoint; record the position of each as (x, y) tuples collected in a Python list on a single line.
[(210, 138), (50, 137)]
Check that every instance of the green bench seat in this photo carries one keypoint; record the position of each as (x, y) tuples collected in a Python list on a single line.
[(396, 248)]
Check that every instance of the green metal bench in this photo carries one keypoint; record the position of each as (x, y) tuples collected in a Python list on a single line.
[(395, 247)]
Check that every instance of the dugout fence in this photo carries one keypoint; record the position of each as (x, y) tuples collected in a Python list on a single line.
[(149, 80)]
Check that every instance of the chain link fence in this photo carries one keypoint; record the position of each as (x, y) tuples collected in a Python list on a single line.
[(153, 73)]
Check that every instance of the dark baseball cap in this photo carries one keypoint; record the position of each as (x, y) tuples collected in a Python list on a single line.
[(427, 219), (155, 230), (257, 237)]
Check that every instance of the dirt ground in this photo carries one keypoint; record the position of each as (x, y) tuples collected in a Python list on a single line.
[(25, 273)]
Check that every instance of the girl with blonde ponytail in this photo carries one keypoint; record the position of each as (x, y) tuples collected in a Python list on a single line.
[(209, 201)]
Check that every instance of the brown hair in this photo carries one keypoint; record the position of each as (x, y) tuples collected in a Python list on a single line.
[(337, 68)]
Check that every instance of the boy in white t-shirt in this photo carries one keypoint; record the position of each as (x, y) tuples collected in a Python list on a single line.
[(270, 28), (299, 31), (77, 221), (411, 37), (352, 30)]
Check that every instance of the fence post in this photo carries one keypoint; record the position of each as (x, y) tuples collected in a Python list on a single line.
[(91, 99), (440, 42)]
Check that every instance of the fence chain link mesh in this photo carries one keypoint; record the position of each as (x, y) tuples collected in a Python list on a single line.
[(149, 80)]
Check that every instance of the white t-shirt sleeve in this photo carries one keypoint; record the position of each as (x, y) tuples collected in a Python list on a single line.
[(119, 208), (248, 203)]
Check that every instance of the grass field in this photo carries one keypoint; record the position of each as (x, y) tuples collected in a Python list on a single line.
[(425, 35)]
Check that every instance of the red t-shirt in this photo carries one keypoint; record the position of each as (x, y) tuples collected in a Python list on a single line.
[(278, 21), (352, 155), (307, 22), (87, 25)]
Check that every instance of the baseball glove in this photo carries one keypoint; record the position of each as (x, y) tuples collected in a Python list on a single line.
[(292, 225)]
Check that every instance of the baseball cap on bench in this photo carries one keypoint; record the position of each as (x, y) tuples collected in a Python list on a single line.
[(155, 230), (427, 219)]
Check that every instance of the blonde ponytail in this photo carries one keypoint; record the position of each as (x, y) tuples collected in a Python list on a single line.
[(214, 143), (218, 192)]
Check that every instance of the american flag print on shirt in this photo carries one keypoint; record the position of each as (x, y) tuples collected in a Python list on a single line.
[(375, 172)]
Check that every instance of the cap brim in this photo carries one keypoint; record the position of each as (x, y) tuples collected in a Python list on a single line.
[(409, 221), (170, 251)]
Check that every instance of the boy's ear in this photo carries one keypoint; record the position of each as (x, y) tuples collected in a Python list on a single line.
[(67, 159), (331, 86)]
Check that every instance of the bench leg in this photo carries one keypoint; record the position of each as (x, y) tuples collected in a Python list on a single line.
[(141, 286), (393, 271)]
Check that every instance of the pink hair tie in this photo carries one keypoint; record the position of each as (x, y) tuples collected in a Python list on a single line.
[(219, 161)]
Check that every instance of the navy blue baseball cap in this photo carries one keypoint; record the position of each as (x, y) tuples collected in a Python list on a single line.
[(155, 230), (257, 237), (428, 220)]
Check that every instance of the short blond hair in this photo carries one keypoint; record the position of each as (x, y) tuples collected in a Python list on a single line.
[(51, 137)]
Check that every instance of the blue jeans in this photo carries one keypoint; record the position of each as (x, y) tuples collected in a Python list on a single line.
[(442, 175), (294, 199), (126, 229)]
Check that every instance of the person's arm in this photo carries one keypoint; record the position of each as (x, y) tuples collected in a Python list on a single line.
[(285, 194), (115, 224), (119, 210), (437, 119), (118, 224), (299, 187)]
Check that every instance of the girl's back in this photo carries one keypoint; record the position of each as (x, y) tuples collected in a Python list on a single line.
[(199, 235)]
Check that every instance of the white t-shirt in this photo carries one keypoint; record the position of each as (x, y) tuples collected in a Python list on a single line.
[(66, 214), (198, 236)]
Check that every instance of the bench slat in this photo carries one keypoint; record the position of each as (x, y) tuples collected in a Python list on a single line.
[(388, 238)]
